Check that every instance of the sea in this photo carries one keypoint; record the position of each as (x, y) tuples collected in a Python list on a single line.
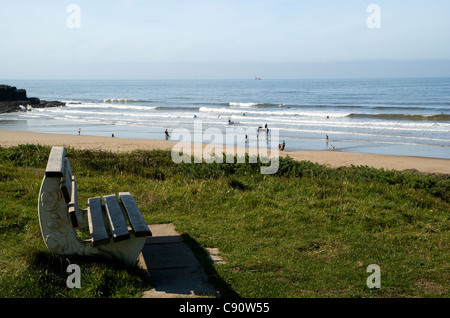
[(404, 116)]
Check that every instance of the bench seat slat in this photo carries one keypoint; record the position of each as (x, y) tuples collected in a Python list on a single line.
[(119, 229), (97, 227), (140, 228)]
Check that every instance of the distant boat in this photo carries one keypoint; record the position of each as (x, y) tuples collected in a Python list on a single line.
[(257, 78)]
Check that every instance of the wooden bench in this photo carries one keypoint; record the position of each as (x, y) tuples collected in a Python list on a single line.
[(116, 225)]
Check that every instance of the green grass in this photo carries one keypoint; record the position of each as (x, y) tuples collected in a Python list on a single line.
[(307, 231)]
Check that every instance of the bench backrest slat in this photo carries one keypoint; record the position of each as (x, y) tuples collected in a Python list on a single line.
[(73, 205), (119, 229), (55, 164), (66, 183), (137, 221), (97, 227)]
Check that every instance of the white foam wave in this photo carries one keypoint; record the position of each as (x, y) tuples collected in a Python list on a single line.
[(239, 104), (72, 102), (120, 100), (112, 106), (273, 112)]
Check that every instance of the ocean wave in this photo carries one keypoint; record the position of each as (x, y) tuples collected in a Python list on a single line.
[(132, 107), (277, 112), (72, 102), (400, 108), (220, 110), (178, 108), (378, 134), (415, 117), (123, 101), (128, 107), (240, 104), (112, 106), (250, 104)]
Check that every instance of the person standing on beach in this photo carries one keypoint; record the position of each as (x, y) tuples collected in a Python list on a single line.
[(281, 146), (167, 134), (79, 131)]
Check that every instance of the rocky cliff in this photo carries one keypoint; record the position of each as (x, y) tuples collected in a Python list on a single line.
[(13, 99)]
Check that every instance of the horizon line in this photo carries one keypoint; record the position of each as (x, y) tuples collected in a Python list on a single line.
[(222, 79)]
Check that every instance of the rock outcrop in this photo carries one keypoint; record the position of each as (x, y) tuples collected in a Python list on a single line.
[(13, 99)]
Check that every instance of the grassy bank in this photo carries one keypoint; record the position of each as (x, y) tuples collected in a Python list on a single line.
[(307, 231)]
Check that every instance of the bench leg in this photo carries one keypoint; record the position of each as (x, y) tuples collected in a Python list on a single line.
[(126, 251), (56, 226)]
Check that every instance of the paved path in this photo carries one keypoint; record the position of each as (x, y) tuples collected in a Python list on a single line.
[(172, 267)]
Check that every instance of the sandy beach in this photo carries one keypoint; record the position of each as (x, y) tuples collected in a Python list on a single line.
[(331, 158)]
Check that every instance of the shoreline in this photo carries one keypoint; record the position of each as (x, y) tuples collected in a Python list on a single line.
[(333, 159)]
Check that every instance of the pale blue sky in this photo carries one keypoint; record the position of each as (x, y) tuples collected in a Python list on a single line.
[(223, 39)]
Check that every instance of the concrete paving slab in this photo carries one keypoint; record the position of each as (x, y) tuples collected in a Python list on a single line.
[(214, 256), (172, 268), (168, 255)]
